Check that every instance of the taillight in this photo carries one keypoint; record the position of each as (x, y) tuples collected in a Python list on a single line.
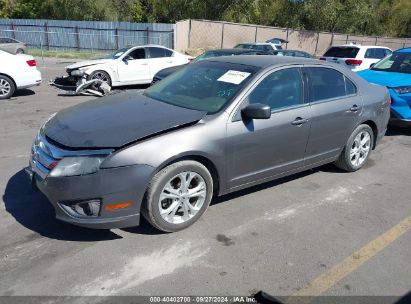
[(31, 63), (353, 62), (322, 58), (190, 59)]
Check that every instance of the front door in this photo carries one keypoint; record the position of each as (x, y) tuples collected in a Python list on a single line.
[(262, 148), (134, 68)]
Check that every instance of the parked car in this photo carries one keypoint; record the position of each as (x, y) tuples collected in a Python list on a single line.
[(214, 127), (259, 46), (128, 66), (12, 46), (17, 72), (292, 53), (208, 54), (356, 57), (394, 72)]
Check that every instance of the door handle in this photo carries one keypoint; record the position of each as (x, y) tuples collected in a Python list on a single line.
[(354, 108), (299, 121), (144, 63)]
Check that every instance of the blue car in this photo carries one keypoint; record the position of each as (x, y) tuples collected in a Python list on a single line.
[(394, 72)]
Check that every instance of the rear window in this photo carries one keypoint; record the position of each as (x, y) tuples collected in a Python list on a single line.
[(342, 52)]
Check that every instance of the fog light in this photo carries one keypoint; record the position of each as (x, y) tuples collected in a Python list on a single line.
[(89, 208)]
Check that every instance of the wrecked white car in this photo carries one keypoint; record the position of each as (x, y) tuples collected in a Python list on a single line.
[(126, 66)]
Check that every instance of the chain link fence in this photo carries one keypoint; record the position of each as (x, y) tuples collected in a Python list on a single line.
[(204, 34), (85, 36)]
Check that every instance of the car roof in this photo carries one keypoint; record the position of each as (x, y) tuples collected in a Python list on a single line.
[(234, 51), (266, 61), (404, 50), (360, 46)]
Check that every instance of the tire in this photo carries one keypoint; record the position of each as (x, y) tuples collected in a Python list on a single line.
[(7, 87), (19, 51), (169, 178), (356, 153), (100, 75)]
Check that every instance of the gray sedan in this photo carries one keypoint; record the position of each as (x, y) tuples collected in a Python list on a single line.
[(12, 46), (212, 128)]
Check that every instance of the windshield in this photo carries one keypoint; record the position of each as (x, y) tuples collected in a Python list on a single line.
[(397, 62), (117, 53), (205, 86), (206, 55), (342, 52), (249, 46)]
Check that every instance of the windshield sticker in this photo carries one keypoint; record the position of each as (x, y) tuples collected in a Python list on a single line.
[(235, 77)]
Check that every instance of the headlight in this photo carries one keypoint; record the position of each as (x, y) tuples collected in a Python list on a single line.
[(402, 90), (77, 73), (77, 165)]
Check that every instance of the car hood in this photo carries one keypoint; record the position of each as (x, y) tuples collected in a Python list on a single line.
[(115, 121), (388, 79), (86, 63)]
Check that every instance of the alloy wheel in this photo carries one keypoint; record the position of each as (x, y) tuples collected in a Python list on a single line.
[(360, 148), (5, 87), (100, 76), (182, 197)]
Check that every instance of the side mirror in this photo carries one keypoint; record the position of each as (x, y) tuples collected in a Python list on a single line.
[(372, 65), (256, 111), (127, 58)]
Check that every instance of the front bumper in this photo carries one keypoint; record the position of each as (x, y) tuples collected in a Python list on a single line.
[(109, 186)]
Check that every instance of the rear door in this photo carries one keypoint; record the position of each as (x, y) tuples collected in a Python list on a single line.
[(160, 58), (335, 112), (344, 55), (262, 148)]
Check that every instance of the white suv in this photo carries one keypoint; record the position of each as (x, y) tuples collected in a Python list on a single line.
[(356, 57)]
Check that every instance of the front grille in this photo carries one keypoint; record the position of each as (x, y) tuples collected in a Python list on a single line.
[(42, 158)]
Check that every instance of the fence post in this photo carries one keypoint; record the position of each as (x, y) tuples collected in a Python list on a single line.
[(346, 40), (222, 36), (376, 40), (147, 35), (316, 43), (46, 30), (286, 38), (189, 33), (332, 39), (13, 28), (77, 38), (255, 37), (116, 34)]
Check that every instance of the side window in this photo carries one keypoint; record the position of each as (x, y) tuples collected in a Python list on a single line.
[(279, 90), (138, 54), (326, 83), (375, 53), (156, 52), (350, 88), (168, 53)]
